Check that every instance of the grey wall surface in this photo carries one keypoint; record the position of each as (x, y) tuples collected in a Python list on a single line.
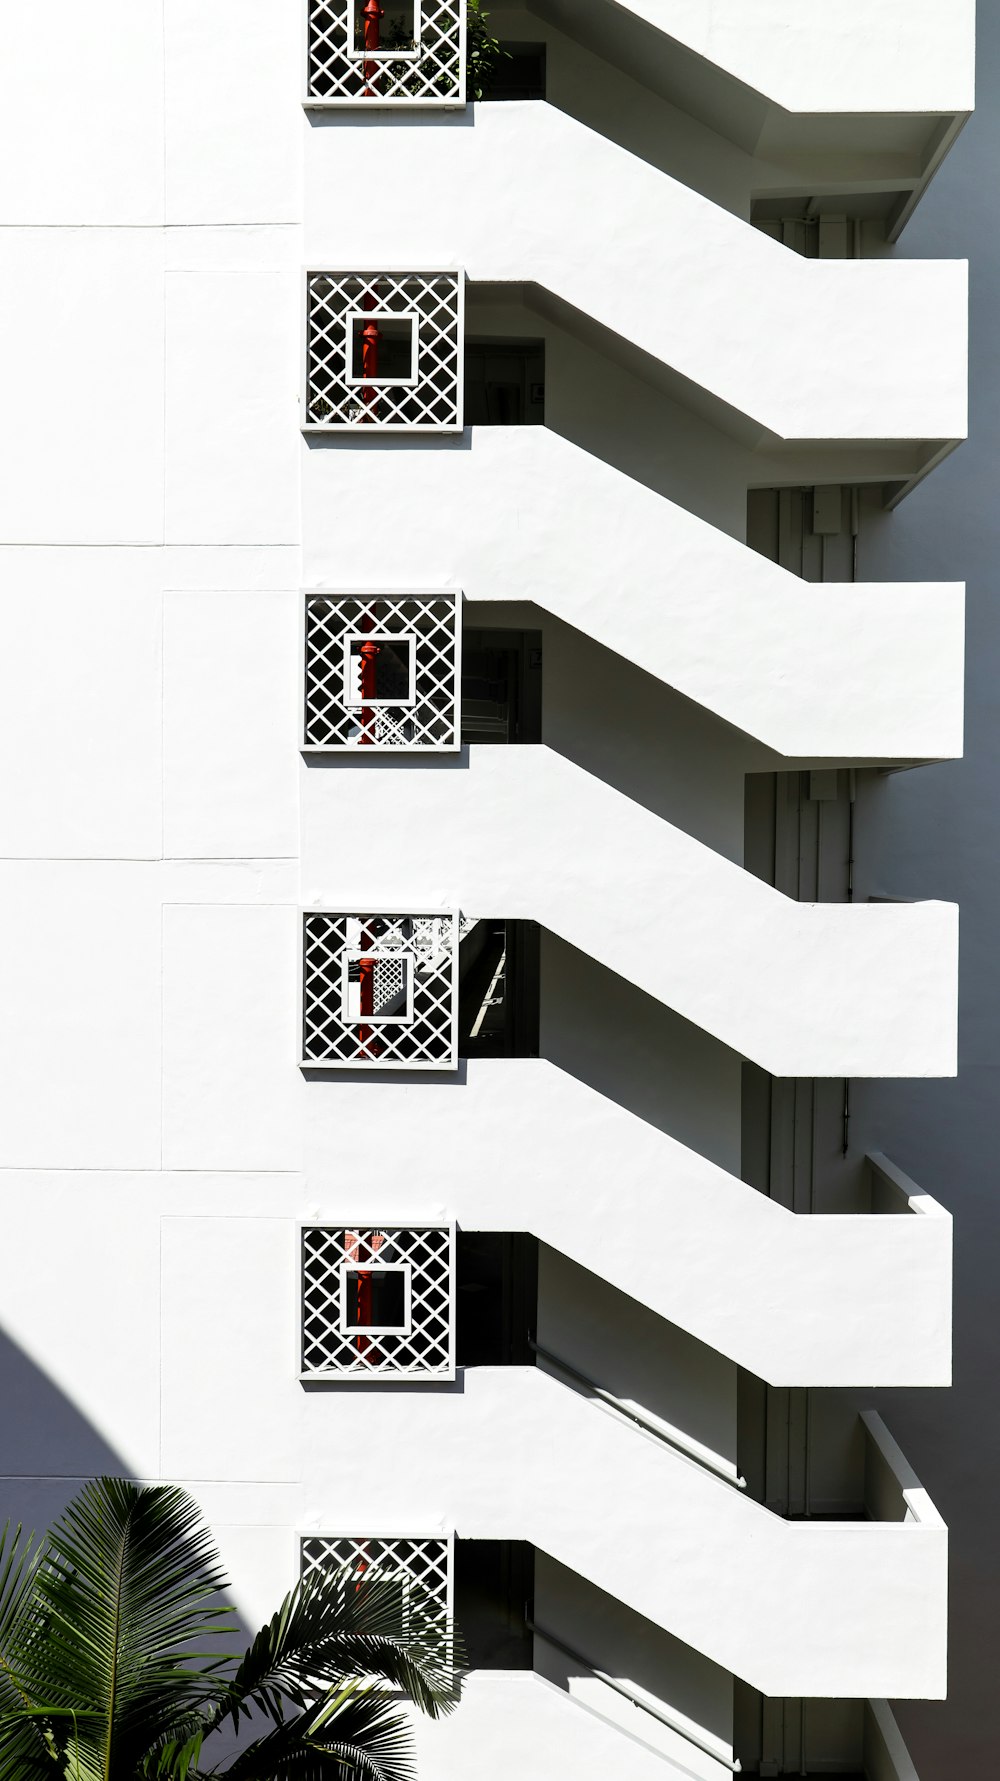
[(936, 833)]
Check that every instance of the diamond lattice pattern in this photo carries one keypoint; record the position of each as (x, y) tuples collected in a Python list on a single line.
[(425, 1560), (427, 1040), (434, 75), (433, 404), (425, 1350), (432, 720)]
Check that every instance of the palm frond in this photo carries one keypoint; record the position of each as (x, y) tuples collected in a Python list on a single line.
[(356, 1734), (129, 1587), (330, 1626), (24, 1753)]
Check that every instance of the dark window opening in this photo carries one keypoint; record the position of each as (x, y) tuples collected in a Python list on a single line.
[(396, 26), (391, 661), (504, 383), (394, 343), (502, 686), (495, 1602), (519, 74), (376, 1298), (498, 1003), (496, 1294)]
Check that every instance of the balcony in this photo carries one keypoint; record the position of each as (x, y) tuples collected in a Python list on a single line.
[(802, 989), (777, 347), (845, 672), (521, 1455), (539, 1729)]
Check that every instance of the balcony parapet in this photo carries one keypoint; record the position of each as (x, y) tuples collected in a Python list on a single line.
[(796, 349), (851, 673)]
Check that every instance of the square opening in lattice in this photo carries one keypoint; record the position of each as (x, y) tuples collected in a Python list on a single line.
[(382, 349), (380, 668), (398, 29), (375, 1298), (377, 987), (378, 1302)]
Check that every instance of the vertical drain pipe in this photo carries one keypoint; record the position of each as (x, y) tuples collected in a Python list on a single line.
[(372, 15)]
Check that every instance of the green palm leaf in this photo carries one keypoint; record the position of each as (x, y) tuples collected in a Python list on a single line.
[(328, 1625), (129, 1589), (355, 1734), (25, 1753), (103, 1675)]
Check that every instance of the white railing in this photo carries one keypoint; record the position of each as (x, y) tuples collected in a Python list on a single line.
[(894, 1193), (642, 1702), (695, 1451), (886, 1757), (893, 1492)]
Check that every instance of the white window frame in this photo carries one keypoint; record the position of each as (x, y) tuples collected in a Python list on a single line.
[(427, 102), (387, 1376), (416, 428), (384, 55), (447, 1535), (352, 700), (370, 1329), (440, 1067), (352, 955), (341, 593), (382, 383)]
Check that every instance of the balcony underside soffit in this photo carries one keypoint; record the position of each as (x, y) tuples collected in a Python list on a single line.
[(893, 155)]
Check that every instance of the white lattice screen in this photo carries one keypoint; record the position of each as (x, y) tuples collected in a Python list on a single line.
[(409, 964), (426, 713), (422, 63), (336, 395), (425, 1560), (337, 1261)]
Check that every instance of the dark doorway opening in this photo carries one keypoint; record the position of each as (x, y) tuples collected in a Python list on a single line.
[(498, 1000), (520, 73), (495, 1602), (504, 383), (496, 1281), (501, 686)]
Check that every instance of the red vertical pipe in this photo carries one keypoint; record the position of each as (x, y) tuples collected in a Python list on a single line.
[(371, 334), (369, 653), (367, 1046), (372, 15)]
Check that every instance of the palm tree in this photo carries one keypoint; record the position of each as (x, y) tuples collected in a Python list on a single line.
[(103, 1675)]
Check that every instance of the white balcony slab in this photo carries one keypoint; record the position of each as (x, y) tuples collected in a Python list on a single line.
[(852, 1300), (801, 989), (804, 349), (847, 672)]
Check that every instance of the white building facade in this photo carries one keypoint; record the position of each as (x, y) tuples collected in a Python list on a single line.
[(438, 965)]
